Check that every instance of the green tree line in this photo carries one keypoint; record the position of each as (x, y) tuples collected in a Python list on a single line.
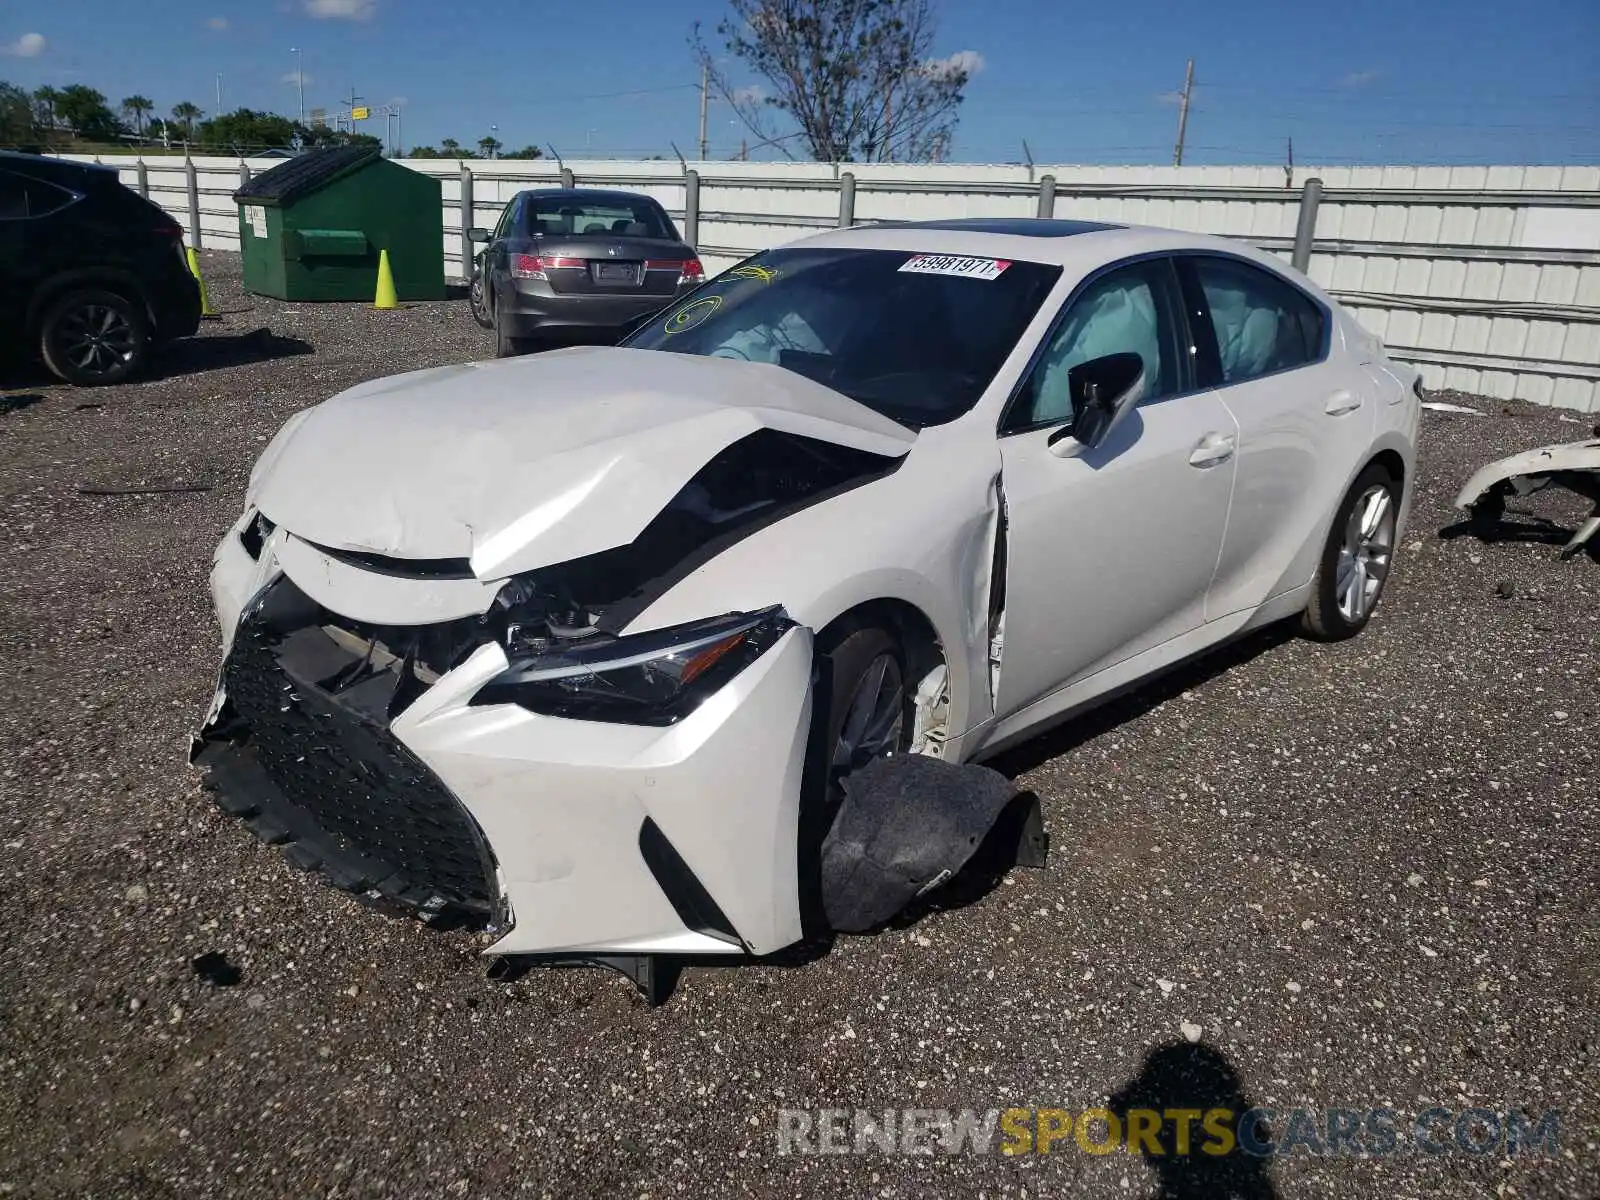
[(51, 118)]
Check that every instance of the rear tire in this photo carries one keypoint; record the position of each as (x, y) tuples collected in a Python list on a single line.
[(93, 338), (505, 344), (1356, 559)]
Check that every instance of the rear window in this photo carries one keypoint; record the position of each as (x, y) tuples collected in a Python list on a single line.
[(916, 337), (563, 216)]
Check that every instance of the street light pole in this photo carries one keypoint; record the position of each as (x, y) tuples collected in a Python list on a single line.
[(300, 79), (219, 93)]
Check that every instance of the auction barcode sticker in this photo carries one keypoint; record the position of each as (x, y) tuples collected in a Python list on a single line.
[(947, 264)]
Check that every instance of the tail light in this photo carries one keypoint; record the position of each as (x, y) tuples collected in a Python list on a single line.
[(534, 266), (689, 271)]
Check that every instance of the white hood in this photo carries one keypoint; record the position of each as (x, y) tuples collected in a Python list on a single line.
[(526, 462)]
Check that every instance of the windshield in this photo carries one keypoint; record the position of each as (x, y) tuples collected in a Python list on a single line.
[(619, 216), (917, 337)]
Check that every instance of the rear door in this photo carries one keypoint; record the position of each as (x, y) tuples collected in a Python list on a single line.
[(607, 245), (34, 243), (1304, 415), (1110, 551)]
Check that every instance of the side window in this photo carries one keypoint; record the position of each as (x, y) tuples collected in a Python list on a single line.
[(1128, 309), (21, 197), (508, 218), (1262, 323)]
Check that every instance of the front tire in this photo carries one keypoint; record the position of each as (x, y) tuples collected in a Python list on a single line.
[(478, 301), (92, 338), (1357, 558)]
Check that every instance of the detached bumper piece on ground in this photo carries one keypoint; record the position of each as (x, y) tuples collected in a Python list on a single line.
[(1574, 466), (909, 825)]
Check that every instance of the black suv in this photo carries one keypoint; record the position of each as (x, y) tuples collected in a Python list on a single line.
[(92, 275)]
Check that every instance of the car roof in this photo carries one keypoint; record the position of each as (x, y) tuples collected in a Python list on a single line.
[(1076, 246), (595, 194), (56, 170)]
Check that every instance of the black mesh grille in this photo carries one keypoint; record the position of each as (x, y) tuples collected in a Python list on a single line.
[(317, 725)]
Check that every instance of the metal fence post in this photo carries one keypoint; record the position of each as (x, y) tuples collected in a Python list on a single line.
[(691, 207), (847, 200), (192, 180), (467, 253), (1047, 196), (144, 179), (1305, 230), (566, 177)]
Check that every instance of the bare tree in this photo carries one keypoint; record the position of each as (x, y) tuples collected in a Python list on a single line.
[(857, 77)]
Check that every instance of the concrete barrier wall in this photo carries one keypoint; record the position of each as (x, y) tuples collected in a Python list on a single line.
[(1487, 278)]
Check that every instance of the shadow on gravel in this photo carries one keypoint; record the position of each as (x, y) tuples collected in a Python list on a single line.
[(1525, 528), (18, 401), (1199, 1078), (190, 356), (1074, 733)]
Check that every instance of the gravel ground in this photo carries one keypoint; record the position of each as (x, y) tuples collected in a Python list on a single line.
[(1361, 875)]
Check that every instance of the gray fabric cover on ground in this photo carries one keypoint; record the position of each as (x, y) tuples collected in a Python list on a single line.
[(906, 825)]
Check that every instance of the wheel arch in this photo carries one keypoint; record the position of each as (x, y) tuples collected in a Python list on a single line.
[(109, 279)]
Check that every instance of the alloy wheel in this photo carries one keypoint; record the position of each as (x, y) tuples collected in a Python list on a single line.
[(874, 722), (1367, 552), (97, 338)]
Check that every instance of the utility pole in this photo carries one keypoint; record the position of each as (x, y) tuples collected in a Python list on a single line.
[(219, 93), (300, 79), (1183, 114), (705, 102)]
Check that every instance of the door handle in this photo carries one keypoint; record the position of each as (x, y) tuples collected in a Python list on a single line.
[(1211, 450), (1340, 403)]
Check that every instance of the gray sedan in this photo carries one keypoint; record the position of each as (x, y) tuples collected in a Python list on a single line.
[(582, 263)]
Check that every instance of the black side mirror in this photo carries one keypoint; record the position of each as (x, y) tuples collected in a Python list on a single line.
[(1104, 390), (476, 234)]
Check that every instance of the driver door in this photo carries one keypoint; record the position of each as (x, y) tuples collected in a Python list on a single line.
[(1110, 550)]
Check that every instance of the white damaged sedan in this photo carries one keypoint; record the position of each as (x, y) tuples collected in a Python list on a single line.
[(577, 646)]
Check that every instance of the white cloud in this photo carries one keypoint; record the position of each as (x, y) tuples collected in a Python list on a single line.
[(968, 62), (1358, 79), (754, 94), (295, 77), (217, 23), (341, 10), (29, 45)]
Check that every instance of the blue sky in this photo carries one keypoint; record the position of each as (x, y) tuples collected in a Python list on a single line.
[(1436, 81)]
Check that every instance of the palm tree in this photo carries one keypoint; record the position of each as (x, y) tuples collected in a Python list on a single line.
[(186, 114), (450, 148), (137, 108), (490, 146)]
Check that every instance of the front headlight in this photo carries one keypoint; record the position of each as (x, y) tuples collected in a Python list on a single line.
[(654, 678)]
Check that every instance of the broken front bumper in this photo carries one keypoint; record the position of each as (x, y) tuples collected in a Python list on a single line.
[(574, 837)]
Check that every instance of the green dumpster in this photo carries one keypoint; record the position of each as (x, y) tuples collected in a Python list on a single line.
[(312, 227)]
